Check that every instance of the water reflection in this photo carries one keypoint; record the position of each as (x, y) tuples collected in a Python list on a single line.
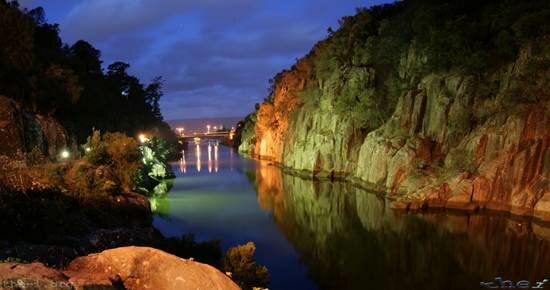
[(350, 240), (198, 154), (160, 205), (212, 163), (182, 163), (322, 235)]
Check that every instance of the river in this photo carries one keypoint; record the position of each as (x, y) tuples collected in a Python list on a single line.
[(332, 235)]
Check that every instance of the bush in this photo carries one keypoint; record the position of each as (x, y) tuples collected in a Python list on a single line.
[(239, 261), (155, 169), (118, 153), (35, 157)]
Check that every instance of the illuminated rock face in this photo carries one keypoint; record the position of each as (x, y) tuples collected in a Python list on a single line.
[(119, 268), (21, 131), (443, 146), (349, 238)]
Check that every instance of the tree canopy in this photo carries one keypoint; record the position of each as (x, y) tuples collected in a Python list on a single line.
[(361, 63), (52, 78)]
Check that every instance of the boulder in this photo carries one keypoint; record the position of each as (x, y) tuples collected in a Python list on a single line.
[(119, 268), (145, 268)]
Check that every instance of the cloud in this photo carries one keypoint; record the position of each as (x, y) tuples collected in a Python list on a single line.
[(101, 19), (216, 56)]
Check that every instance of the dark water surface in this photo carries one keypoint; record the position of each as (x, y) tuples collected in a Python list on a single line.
[(323, 235)]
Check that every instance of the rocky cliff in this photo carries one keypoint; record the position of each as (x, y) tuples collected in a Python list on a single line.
[(22, 131), (426, 137)]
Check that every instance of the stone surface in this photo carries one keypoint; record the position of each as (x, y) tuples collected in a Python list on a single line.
[(120, 268), (542, 208), (21, 131), (145, 268), (440, 130)]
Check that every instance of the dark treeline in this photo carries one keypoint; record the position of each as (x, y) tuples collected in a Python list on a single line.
[(52, 78)]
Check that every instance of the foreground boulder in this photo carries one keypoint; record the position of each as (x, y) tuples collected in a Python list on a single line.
[(120, 268), (145, 268)]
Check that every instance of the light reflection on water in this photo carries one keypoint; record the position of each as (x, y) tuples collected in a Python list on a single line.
[(313, 234)]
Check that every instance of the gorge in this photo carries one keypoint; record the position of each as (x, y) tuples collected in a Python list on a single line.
[(408, 149), (471, 133)]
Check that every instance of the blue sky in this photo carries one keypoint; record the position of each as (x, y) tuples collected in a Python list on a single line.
[(216, 56)]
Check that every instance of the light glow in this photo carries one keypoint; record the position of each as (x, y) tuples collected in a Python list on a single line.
[(65, 154), (143, 138)]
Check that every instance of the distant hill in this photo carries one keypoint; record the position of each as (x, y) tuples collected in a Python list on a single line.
[(199, 124)]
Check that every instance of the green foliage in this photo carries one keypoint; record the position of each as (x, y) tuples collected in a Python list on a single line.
[(239, 261), (155, 169), (531, 83), (118, 155), (96, 151), (361, 64)]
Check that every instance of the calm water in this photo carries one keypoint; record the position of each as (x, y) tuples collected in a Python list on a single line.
[(322, 235)]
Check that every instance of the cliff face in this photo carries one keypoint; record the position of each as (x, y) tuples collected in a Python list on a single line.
[(451, 140), (22, 131)]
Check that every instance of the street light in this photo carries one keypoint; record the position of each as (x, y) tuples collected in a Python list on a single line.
[(142, 138), (207, 129), (65, 154)]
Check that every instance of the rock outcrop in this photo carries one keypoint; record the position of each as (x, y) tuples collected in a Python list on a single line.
[(120, 268), (22, 131), (447, 144)]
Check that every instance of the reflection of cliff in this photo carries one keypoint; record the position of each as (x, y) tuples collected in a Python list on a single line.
[(349, 239)]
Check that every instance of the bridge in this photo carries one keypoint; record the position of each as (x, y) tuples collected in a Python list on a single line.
[(220, 136)]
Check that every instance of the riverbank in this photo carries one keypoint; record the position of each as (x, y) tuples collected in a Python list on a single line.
[(56, 213), (51, 213)]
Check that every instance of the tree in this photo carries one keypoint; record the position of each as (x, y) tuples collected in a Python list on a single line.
[(85, 58)]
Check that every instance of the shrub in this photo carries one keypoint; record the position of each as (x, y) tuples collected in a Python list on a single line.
[(155, 169), (239, 261), (35, 157), (120, 156)]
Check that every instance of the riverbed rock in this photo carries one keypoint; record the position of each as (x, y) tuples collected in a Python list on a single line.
[(145, 268)]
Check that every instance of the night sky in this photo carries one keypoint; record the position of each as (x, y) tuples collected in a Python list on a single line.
[(216, 56)]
